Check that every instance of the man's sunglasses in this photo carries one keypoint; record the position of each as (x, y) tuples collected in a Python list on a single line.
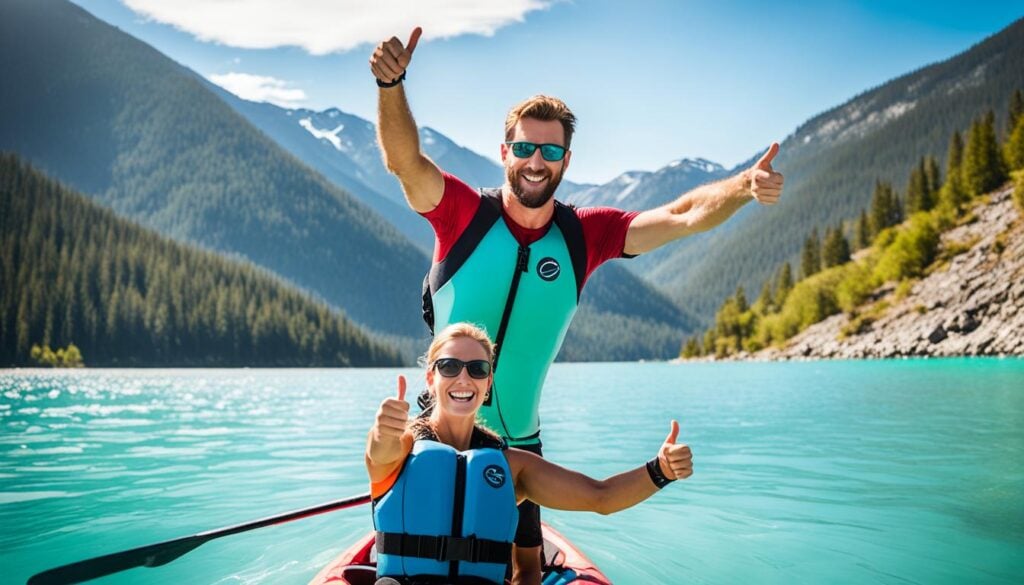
[(549, 152), (452, 367)]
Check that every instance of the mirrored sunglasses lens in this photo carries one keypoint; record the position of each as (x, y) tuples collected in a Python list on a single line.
[(552, 152), (524, 149)]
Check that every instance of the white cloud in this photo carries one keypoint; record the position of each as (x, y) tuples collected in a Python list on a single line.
[(259, 88), (326, 26)]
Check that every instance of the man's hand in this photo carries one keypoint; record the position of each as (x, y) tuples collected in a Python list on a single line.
[(392, 416), (765, 184), (390, 60), (676, 461)]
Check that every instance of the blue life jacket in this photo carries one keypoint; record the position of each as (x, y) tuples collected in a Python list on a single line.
[(449, 514)]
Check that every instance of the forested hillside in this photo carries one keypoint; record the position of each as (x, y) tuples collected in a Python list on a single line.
[(114, 118), (900, 241), (832, 162), (72, 272), (623, 318)]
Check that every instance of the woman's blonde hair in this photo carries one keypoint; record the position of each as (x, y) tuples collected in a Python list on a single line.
[(455, 331)]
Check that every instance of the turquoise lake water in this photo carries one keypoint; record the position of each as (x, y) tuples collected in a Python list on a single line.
[(907, 471)]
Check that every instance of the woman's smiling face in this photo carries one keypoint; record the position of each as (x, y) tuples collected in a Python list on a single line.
[(461, 395)]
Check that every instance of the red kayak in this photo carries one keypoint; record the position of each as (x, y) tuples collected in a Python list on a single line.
[(564, 564)]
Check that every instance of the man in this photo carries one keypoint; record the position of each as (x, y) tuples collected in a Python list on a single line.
[(514, 259)]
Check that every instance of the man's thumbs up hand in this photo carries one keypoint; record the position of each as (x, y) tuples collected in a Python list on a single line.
[(766, 184), (675, 460), (391, 58)]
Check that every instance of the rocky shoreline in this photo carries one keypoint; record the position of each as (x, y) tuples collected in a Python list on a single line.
[(972, 305)]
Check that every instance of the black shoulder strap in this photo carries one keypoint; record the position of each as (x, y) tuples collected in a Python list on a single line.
[(485, 217), (572, 230), (485, 440)]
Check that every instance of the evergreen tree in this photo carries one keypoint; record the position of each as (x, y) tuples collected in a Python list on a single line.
[(810, 260), (983, 168), (783, 283), (1013, 150), (1016, 109), (709, 342), (764, 300), (917, 190), (863, 239), (741, 300), (953, 193), (886, 209), (836, 249), (933, 179), (691, 349)]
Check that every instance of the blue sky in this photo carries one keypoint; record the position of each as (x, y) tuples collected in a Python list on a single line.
[(650, 82)]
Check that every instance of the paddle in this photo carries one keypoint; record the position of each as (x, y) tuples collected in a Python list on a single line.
[(161, 553)]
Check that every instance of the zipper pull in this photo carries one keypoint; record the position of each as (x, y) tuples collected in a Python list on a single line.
[(524, 259)]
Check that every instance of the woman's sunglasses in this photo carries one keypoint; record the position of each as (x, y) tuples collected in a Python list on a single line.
[(549, 152), (452, 367)]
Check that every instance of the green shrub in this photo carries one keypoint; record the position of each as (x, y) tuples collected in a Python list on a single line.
[(855, 286), (910, 252), (62, 358), (1018, 190), (811, 300)]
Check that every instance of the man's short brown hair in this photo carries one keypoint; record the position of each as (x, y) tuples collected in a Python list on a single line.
[(544, 108)]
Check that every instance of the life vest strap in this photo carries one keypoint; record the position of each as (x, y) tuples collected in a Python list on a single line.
[(444, 548)]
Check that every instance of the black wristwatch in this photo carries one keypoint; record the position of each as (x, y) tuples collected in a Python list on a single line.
[(654, 470), (387, 84)]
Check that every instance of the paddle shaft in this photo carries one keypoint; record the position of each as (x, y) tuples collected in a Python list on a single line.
[(161, 553)]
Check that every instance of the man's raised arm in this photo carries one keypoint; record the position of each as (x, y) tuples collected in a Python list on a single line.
[(396, 130), (705, 207)]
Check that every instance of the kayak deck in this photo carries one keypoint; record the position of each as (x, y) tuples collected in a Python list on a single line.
[(564, 563)]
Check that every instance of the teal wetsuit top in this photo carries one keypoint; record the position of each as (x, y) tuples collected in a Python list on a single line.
[(473, 284)]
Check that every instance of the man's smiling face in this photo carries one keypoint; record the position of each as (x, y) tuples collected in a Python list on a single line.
[(533, 180)]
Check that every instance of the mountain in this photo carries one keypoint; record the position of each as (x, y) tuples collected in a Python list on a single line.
[(75, 273), (641, 190), (119, 121), (831, 164), (342, 148)]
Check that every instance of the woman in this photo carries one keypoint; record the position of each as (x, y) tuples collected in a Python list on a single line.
[(424, 533)]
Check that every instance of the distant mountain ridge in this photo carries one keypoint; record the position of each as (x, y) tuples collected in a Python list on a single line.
[(641, 190)]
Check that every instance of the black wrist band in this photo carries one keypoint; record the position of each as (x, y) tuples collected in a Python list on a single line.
[(387, 84), (654, 470)]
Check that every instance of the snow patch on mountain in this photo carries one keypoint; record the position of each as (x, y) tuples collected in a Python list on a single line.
[(631, 182), (328, 135)]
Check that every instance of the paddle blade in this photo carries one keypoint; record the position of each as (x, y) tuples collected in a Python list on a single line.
[(152, 555)]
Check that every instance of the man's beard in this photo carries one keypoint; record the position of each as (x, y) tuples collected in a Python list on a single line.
[(534, 201)]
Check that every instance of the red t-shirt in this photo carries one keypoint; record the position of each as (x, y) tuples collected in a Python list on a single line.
[(604, 228)]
